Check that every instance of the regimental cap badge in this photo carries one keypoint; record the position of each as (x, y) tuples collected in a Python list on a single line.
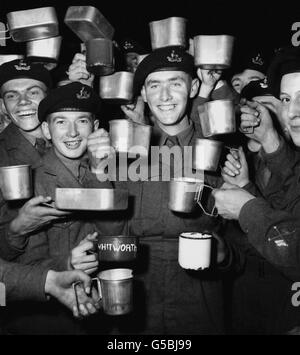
[(174, 57), (128, 45), (264, 84), (22, 66), (258, 60), (83, 94)]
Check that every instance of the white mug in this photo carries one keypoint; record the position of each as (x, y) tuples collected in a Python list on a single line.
[(194, 250)]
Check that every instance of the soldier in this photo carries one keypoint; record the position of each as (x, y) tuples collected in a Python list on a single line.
[(22, 87), (170, 299)]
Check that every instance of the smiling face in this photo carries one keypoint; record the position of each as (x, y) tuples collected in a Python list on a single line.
[(240, 80), (167, 94), (20, 100), (69, 131), (290, 98)]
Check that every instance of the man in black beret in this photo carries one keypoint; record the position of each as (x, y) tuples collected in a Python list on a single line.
[(131, 49), (171, 300), (69, 117), (22, 86), (251, 65)]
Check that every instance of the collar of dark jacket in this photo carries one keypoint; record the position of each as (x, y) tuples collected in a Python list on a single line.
[(54, 166), (184, 137), (14, 140)]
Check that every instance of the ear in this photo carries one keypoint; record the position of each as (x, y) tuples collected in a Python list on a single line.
[(194, 88), (46, 130), (96, 125), (143, 92), (3, 108)]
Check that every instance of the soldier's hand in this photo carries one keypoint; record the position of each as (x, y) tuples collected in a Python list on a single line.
[(60, 286), (99, 150), (78, 72), (83, 256), (34, 215)]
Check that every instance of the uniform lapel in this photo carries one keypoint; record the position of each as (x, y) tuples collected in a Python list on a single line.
[(20, 150), (53, 166)]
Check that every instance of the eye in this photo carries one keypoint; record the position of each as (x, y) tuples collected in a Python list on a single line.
[(60, 122), (11, 96), (34, 92), (84, 121), (176, 84), (284, 99)]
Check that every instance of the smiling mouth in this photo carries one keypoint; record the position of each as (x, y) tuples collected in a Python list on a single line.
[(26, 114), (166, 108), (73, 144)]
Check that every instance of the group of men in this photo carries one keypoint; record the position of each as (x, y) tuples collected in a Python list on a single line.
[(58, 132)]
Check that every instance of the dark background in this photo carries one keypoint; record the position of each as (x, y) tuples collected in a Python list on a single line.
[(261, 24)]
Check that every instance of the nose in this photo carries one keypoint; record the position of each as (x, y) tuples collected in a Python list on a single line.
[(294, 109), (165, 94), (72, 130), (23, 99)]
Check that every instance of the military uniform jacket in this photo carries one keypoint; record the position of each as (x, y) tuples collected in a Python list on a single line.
[(15, 149), (176, 301), (53, 244)]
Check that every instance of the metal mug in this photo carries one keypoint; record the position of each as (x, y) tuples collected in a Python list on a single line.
[(130, 137), (87, 23), (16, 182), (121, 248), (100, 56), (206, 154), (118, 87), (4, 58), (32, 24), (213, 52), (194, 250), (182, 193), (115, 288), (168, 32), (44, 50), (218, 118)]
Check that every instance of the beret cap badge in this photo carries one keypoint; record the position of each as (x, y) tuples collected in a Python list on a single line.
[(174, 57), (128, 45), (83, 94), (258, 60), (264, 84), (22, 66)]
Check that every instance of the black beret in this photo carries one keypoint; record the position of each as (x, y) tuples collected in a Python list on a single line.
[(286, 61), (256, 88), (166, 58), (70, 97), (253, 59), (16, 69)]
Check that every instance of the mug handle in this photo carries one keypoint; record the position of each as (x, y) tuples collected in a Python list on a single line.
[(198, 196), (78, 283)]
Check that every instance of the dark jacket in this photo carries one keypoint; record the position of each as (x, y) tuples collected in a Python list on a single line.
[(15, 149), (55, 241), (171, 300)]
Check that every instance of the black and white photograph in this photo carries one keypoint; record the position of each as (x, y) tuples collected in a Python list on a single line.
[(149, 169)]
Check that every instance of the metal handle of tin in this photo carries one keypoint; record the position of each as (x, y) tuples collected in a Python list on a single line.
[(198, 196), (79, 283), (5, 31)]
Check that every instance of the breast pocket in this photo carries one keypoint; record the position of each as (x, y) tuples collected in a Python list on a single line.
[(149, 205)]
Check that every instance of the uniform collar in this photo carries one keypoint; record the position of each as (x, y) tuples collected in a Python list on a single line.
[(64, 177), (184, 137)]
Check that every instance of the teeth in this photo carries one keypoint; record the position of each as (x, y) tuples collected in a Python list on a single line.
[(166, 107), (26, 113), (72, 144)]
